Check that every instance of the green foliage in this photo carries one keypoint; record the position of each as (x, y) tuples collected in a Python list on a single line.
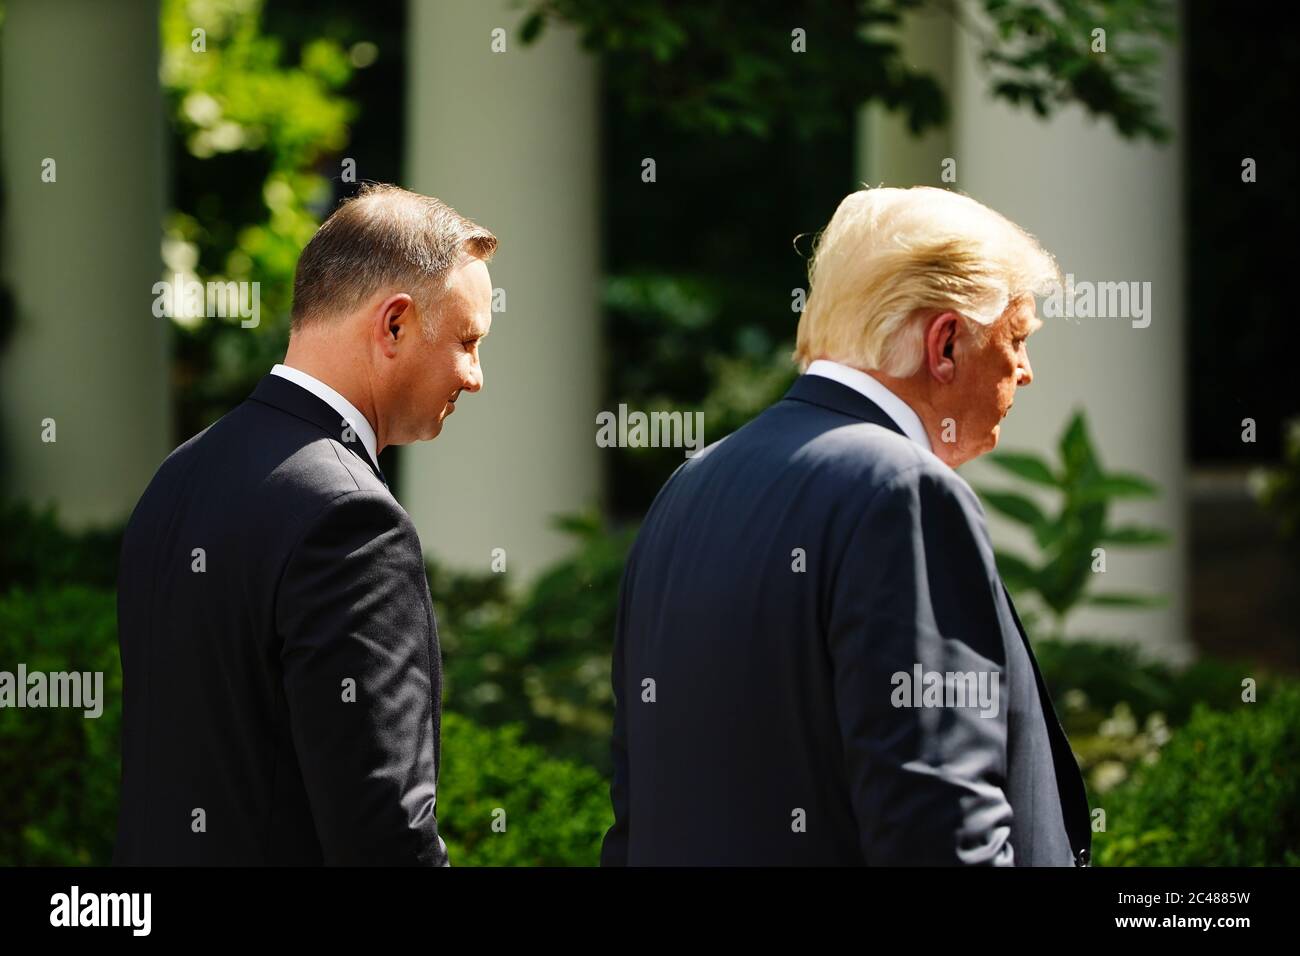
[(1118, 707), (58, 794), (58, 791), (1068, 538), (555, 812), (1278, 489), (547, 655), (739, 388), (541, 660), (1110, 674), (680, 345), (709, 67), (712, 70), (1116, 746), (742, 386), (37, 550), (234, 94), (250, 134), (1224, 792), (691, 343), (1047, 54)]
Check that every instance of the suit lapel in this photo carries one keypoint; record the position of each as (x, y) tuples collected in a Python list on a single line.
[(1069, 780)]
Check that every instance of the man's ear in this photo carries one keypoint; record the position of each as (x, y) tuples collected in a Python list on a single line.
[(392, 321), (941, 346)]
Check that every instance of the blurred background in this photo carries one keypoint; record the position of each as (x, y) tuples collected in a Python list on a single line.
[(656, 172)]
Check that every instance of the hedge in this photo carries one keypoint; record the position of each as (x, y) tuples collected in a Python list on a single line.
[(1224, 792), (61, 770)]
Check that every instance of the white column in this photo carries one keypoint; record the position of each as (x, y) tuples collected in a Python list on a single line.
[(1109, 210), (887, 152), (510, 140), (81, 254)]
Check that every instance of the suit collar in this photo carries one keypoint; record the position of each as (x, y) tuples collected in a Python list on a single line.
[(289, 397), (901, 412), (345, 409), (822, 391)]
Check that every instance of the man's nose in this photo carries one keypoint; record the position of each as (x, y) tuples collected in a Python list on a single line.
[(1026, 372), (474, 380)]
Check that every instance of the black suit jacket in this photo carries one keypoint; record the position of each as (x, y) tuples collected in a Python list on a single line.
[(782, 579), (281, 670)]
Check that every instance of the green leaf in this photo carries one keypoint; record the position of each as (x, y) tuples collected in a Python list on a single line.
[(1127, 600), (1068, 573), (1117, 485), (532, 27), (1077, 452), (1014, 506), (1027, 466), (1135, 535)]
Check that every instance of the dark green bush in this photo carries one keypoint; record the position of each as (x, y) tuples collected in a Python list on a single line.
[(60, 770), (1224, 792), (1118, 707), (1109, 674), (35, 550), (542, 659), (58, 788), (555, 812)]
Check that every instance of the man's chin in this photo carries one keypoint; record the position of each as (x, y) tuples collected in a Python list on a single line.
[(972, 451)]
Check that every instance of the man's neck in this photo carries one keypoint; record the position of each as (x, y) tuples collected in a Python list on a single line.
[(308, 359), (916, 396)]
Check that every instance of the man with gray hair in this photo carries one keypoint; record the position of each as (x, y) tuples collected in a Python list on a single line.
[(816, 662), (281, 671)]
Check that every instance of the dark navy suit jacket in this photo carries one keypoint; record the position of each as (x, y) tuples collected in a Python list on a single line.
[(286, 680), (782, 580)]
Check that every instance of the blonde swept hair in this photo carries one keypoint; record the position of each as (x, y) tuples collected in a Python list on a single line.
[(891, 258)]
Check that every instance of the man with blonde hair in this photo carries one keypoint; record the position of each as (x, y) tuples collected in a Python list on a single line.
[(816, 661), (281, 671)]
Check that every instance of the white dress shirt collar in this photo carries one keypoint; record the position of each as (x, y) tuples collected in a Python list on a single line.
[(347, 411), (866, 385)]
